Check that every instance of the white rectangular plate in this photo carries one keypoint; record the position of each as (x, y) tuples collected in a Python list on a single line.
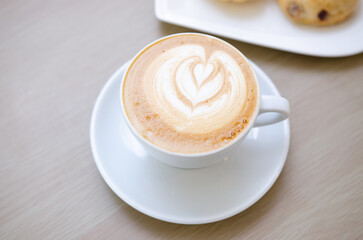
[(261, 22)]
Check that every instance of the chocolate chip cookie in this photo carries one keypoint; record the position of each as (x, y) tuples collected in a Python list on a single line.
[(318, 12)]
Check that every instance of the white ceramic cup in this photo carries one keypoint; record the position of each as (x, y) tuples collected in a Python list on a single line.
[(264, 104)]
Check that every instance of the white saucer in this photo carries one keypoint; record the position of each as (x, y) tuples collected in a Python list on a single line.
[(186, 196)]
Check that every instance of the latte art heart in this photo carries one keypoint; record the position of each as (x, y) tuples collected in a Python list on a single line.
[(190, 93), (189, 86), (196, 84)]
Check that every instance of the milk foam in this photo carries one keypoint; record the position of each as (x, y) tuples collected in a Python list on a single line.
[(190, 93), (186, 85)]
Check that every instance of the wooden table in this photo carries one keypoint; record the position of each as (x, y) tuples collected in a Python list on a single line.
[(55, 56)]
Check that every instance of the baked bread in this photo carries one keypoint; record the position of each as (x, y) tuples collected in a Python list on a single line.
[(318, 12)]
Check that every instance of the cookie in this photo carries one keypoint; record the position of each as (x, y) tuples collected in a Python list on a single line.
[(318, 12)]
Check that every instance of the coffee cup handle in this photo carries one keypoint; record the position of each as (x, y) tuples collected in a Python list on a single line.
[(278, 109)]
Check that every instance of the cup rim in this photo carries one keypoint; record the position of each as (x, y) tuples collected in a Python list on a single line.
[(178, 154)]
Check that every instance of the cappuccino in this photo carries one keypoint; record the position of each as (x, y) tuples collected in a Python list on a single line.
[(190, 93)]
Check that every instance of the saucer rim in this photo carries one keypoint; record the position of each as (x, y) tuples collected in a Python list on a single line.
[(155, 214)]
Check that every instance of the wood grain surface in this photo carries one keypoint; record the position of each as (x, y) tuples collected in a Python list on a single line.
[(55, 56)]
